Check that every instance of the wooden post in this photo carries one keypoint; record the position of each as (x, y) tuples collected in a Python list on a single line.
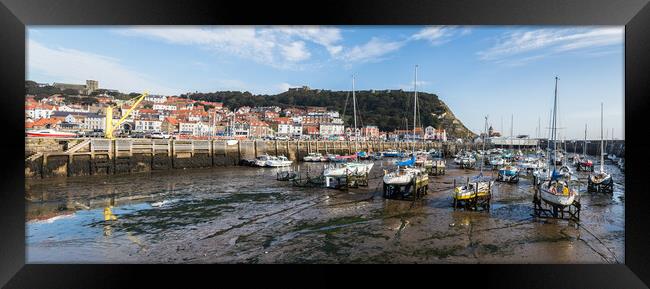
[(171, 152), (113, 149), (43, 165), (211, 150)]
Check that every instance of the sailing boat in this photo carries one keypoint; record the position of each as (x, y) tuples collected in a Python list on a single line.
[(556, 190), (479, 186), (584, 163), (406, 170), (600, 180), (231, 141), (353, 167)]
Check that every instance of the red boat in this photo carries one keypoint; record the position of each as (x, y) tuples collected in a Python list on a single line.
[(586, 166), (350, 157), (49, 133)]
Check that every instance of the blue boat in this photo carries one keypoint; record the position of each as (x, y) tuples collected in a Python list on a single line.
[(508, 173)]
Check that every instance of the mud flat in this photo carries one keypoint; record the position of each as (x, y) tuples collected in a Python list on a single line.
[(244, 215)]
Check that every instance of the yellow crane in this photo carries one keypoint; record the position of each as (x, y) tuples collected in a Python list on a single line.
[(110, 127)]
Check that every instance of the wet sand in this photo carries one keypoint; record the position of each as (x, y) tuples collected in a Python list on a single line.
[(244, 215)]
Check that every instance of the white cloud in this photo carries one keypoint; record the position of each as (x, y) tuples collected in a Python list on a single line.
[(295, 51), (280, 47), (69, 65), (287, 47), (282, 87), (539, 43), (371, 51)]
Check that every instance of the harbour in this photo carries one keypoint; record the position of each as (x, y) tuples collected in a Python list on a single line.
[(207, 215)]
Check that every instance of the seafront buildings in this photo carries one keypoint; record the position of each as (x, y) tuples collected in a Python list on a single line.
[(185, 118)]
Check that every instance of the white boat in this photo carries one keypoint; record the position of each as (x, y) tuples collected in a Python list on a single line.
[(566, 171), (354, 166), (406, 174), (601, 179), (313, 157), (402, 176), (497, 161), (279, 161), (261, 161), (557, 192), (49, 133), (554, 189), (346, 169)]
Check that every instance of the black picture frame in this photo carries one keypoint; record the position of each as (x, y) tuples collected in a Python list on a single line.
[(15, 15)]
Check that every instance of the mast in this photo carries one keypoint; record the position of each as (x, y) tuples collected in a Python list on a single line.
[(602, 156), (553, 129), (415, 105), (354, 104), (584, 146), (484, 139)]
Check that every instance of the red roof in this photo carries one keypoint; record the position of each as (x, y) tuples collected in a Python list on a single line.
[(42, 122), (171, 120), (145, 110), (283, 120)]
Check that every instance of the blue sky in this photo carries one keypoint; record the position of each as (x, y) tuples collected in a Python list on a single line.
[(477, 70)]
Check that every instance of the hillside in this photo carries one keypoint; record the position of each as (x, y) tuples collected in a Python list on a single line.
[(387, 109)]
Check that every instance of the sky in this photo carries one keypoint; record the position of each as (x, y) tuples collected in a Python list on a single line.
[(504, 72)]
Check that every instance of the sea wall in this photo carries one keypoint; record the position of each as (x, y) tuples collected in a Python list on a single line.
[(51, 157)]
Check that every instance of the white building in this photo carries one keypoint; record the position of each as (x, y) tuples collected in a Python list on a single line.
[(285, 129), (36, 112), (68, 108), (331, 129), (95, 122), (187, 128), (296, 130), (156, 98), (430, 133), (148, 125), (162, 106)]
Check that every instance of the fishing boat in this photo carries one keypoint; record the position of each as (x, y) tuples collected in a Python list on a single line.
[(508, 173), (49, 133), (314, 157), (351, 165), (406, 173), (601, 180), (279, 161), (555, 189)]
